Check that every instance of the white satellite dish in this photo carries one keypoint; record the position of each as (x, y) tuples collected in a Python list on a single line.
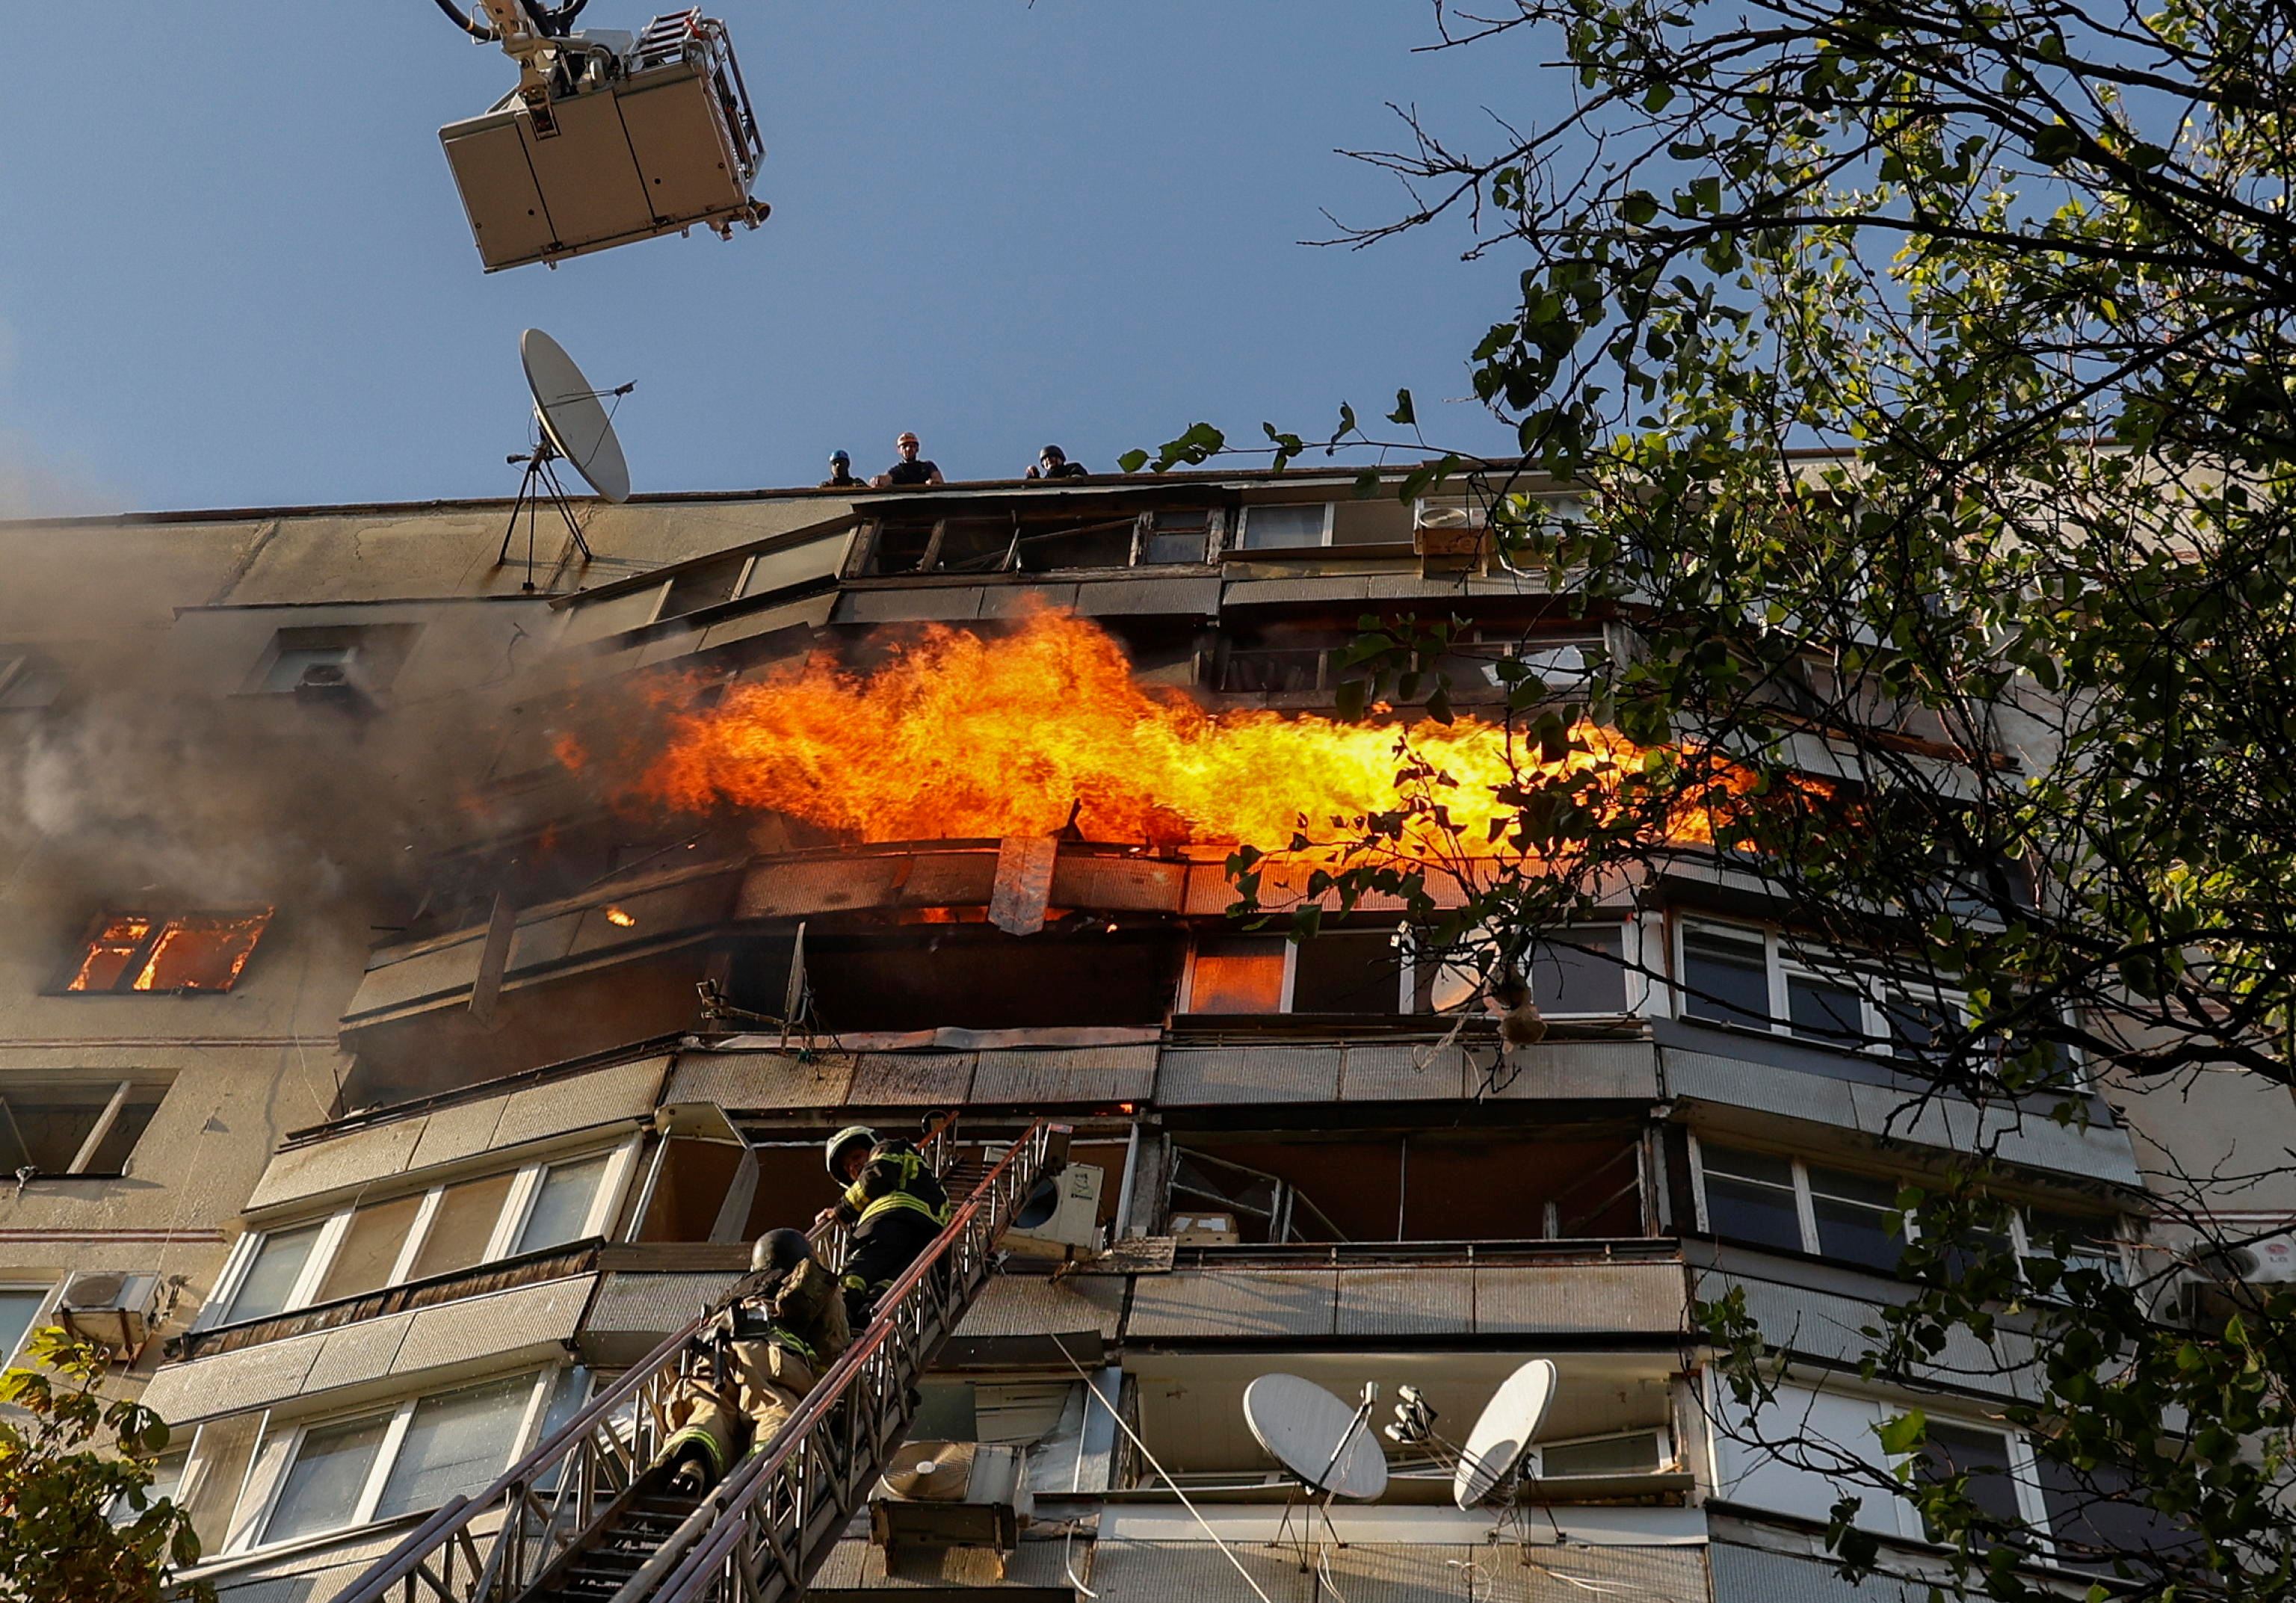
[(1496, 1447), (576, 426), (1324, 1443)]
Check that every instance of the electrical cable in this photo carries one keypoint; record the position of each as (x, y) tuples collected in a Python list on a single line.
[(479, 32), (1092, 1392)]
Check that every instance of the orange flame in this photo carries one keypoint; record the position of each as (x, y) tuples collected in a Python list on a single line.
[(959, 736)]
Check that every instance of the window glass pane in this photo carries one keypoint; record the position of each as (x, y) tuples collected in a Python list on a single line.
[(1348, 972), (1238, 977), (218, 1466), (43, 1124), (271, 1278), (370, 1248), (461, 1227), (2073, 1241), (562, 1206), (1915, 1025), (1854, 1214), (1281, 527), (167, 1477), (127, 1126), (1632, 1454), (1726, 979), (2094, 1514), (109, 950), (456, 1441), (321, 1490), (1982, 1455), (18, 1306), (1750, 1196), (1176, 537), (1824, 1009), (568, 1395), (201, 952), (1579, 972)]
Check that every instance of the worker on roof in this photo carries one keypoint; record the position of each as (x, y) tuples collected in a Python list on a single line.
[(1053, 463), (777, 1333), (894, 1205), (911, 469), (840, 474)]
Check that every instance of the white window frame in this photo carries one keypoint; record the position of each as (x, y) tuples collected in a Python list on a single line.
[(1784, 963), (1805, 1211), (1667, 1462), (510, 1222), (1243, 527), (252, 1534), (43, 1312)]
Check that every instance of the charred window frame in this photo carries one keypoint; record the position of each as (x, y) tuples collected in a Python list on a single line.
[(1035, 537), (450, 1227), (80, 1127), (148, 952), (1787, 1203)]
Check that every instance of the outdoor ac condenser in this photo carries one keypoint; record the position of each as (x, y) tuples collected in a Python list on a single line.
[(941, 1495), (1061, 1216), (110, 1307)]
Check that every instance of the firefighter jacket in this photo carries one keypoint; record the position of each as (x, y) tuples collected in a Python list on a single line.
[(805, 1313), (896, 1177)]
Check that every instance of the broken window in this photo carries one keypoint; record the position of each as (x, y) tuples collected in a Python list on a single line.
[(974, 976), (1177, 535), (1415, 1186), (1240, 974), (133, 952), (1337, 972), (706, 584), (86, 1127)]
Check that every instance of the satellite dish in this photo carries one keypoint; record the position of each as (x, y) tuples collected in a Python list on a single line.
[(576, 426), (1319, 1439), (1496, 1447)]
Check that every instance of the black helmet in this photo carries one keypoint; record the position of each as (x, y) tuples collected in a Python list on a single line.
[(782, 1250), (1052, 453)]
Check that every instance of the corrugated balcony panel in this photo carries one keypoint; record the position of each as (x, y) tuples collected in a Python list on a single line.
[(531, 1321), (1205, 1076), (798, 887), (1170, 597), (912, 1079), (1407, 1302), (1119, 884), (1322, 587), (2020, 1135), (1590, 1070), (1226, 1303), (1760, 1088), (809, 614), (1088, 1073), (1825, 1325), (760, 1081), (1126, 1571), (626, 1091), (1018, 601), (309, 1574), (926, 603), (1581, 1300), (1751, 1574), (653, 1306), (1402, 1071), (457, 1131), (1031, 1304), (1283, 886), (359, 1157), (402, 981)]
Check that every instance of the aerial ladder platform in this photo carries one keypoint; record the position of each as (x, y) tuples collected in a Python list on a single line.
[(584, 1518)]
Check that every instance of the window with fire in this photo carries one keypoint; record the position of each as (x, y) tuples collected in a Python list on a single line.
[(170, 953), (1580, 971)]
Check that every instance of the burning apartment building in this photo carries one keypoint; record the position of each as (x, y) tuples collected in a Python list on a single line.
[(421, 988)]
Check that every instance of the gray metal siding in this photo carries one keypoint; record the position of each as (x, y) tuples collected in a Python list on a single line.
[(761, 1081), (1744, 1575), (904, 1079), (1027, 1304), (1233, 1304), (1581, 1300), (1403, 1071), (1407, 1302), (1153, 1571), (1211, 1074), (652, 1304), (1092, 1074)]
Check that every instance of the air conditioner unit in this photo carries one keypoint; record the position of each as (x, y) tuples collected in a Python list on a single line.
[(113, 1308), (945, 1494), (1062, 1213)]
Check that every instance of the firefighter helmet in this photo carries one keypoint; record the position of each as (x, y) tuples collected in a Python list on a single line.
[(780, 1249), (844, 1139)]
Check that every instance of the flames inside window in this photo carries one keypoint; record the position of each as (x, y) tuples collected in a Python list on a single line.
[(130, 951)]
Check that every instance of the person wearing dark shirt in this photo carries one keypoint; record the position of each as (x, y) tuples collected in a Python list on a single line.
[(893, 1204), (840, 473), (911, 469), (1053, 463)]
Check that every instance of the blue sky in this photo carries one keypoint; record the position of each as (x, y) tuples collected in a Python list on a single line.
[(233, 270)]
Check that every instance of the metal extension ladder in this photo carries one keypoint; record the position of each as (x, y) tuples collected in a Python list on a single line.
[(579, 1517)]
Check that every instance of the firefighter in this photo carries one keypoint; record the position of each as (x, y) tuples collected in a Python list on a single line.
[(894, 1205), (782, 1328)]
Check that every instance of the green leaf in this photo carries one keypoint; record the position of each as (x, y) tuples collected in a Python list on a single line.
[(1904, 1434), (1403, 412)]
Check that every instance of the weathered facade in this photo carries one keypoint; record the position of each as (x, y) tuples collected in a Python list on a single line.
[(450, 1083)]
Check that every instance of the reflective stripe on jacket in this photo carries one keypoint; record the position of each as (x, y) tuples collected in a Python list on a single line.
[(896, 1176)]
